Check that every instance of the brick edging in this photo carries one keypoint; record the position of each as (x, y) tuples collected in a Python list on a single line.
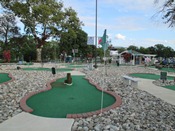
[(23, 103), (9, 75), (117, 103)]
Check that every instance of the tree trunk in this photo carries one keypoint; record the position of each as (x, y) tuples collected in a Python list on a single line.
[(39, 51)]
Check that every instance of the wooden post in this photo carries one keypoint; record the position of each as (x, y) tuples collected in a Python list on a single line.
[(69, 79)]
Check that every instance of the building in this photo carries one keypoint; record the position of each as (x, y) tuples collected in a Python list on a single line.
[(136, 58)]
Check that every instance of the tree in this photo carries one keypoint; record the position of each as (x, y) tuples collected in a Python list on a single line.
[(168, 12), (8, 28), (151, 50), (132, 47), (159, 49), (23, 48), (45, 19), (144, 50), (74, 39), (50, 51)]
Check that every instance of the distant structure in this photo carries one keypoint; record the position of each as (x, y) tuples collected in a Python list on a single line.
[(91, 40)]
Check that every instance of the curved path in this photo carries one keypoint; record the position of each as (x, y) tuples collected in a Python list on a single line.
[(27, 122), (160, 92)]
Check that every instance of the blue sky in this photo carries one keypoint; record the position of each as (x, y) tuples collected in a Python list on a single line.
[(128, 22)]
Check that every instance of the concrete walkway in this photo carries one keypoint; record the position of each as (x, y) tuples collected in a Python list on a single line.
[(28, 122), (160, 92)]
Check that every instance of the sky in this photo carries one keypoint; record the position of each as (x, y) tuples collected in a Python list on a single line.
[(128, 22)]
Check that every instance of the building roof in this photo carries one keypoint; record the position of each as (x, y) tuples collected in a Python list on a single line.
[(135, 53)]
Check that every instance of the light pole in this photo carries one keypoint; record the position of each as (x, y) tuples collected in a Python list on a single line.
[(96, 35)]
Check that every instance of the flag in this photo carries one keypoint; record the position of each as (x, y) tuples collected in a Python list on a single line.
[(103, 42)]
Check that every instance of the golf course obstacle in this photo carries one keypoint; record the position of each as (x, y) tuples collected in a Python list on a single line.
[(53, 71), (68, 81)]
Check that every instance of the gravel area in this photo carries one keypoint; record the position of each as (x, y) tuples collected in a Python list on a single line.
[(139, 110)]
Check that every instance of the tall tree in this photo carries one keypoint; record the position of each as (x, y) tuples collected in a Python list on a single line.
[(44, 19), (132, 47), (168, 12), (159, 49), (8, 27)]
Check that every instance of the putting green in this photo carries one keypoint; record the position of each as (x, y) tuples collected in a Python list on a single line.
[(4, 77), (164, 69), (170, 87), (168, 69), (81, 97), (47, 69), (150, 76)]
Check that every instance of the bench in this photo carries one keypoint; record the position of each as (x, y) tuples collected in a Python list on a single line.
[(133, 82)]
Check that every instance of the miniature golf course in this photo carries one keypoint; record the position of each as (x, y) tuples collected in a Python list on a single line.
[(47, 69), (80, 97), (153, 77), (4, 77)]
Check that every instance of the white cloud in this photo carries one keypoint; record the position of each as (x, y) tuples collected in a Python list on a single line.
[(119, 36), (133, 4)]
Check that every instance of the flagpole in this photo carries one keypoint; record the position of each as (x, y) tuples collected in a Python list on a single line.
[(96, 35), (103, 81)]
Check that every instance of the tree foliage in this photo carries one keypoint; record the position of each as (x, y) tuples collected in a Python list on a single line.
[(45, 19), (8, 27), (168, 12)]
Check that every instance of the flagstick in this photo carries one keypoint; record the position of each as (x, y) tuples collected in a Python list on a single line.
[(103, 78), (103, 84)]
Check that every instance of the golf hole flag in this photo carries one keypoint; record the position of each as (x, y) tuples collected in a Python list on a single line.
[(103, 41)]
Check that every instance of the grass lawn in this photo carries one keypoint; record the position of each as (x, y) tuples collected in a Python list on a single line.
[(4, 77), (62, 99)]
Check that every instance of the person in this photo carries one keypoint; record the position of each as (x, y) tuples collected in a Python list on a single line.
[(146, 64)]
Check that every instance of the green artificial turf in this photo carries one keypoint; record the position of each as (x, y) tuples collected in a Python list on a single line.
[(168, 69), (80, 97), (4, 77), (77, 66), (150, 76), (47, 69), (170, 87)]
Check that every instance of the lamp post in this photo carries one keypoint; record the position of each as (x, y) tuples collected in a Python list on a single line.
[(96, 35)]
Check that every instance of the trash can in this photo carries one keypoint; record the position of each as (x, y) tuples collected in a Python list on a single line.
[(117, 63), (53, 71), (163, 75)]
